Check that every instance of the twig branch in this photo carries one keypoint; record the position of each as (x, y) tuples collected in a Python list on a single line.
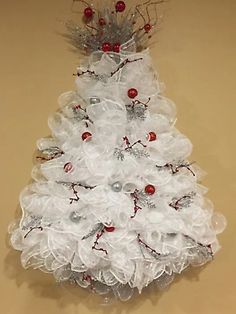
[(152, 251), (134, 195), (94, 247), (126, 61), (31, 229)]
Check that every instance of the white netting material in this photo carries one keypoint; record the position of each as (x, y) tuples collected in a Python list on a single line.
[(160, 240)]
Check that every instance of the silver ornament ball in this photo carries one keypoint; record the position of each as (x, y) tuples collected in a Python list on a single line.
[(116, 187), (75, 217), (94, 100)]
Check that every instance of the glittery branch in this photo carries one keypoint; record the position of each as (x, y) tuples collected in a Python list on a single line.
[(126, 61), (136, 112), (51, 153), (208, 247), (73, 185), (138, 33), (138, 102), (135, 197), (144, 200), (137, 109), (92, 73), (31, 222), (81, 113), (97, 76), (96, 229), (136, 152), (128, 144), (140, 198), (76, 196), (131, 149), (94, 247), (119, 154), (176, 168), (184, 201), (151, 250), (31, 229)]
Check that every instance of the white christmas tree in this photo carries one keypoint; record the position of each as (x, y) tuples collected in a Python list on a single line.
[(115, 204)]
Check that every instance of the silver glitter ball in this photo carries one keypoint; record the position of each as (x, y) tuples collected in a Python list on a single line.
[(116, 187), (75, 217), (94, 100)]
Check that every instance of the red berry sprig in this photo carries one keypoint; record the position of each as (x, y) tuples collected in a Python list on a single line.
[(132, 93), (120, 6), (116, 47), (88, 13), (106, 47), (152, 136), (86, 135), (147, 27), (150, 189), (109, 229)]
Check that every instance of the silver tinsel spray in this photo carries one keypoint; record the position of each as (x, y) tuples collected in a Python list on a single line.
[(108, 25)]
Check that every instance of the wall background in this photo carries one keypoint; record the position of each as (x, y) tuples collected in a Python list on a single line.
[(195, 56)]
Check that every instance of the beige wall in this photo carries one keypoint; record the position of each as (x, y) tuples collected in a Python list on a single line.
[(195, 56)]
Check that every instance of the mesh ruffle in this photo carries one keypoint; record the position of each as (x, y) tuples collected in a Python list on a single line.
[(152, 246)]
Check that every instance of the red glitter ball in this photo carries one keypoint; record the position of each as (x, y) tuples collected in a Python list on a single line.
[(132, 93), (106, 47), (152, 136), (150, 189), (86, 135), (120, 6), (116, 47), (88, 12), (110, 229), (68, 167), (102, 21), (147, 28)]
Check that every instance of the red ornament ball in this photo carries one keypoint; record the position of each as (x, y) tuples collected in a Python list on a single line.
[(147, 28), (110, 229), (86, 135), (106, 47), (102, 21), (68, 167), (132, 93), (116, 47), (152, 136), (88, 12), (150, 189), (120, 6)]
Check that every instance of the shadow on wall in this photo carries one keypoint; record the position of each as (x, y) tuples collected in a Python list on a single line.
[(44, 286)]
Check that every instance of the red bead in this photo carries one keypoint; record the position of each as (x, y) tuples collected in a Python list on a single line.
[(150, 189), (106, 47), (86, 135), (109, 229), (120, 6), (147, 28), (152, 136), (88, 12), (132, 93), (116, 47), (102, 21), (68, 167)]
